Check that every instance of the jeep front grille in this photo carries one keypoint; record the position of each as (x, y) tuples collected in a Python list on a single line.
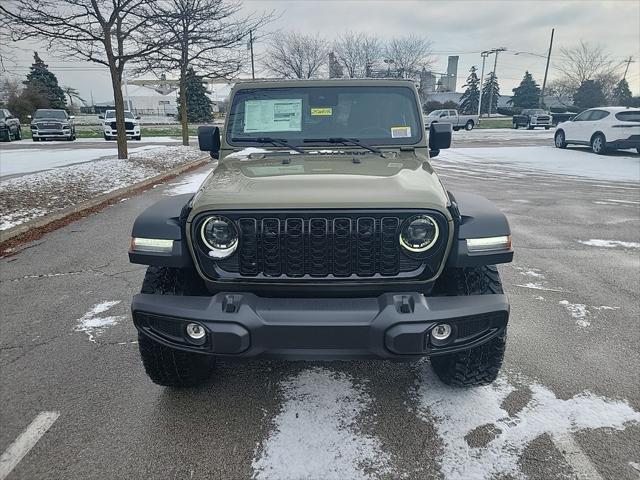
[(342, 245)]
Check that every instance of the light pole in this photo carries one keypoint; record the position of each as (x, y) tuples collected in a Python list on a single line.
[(484, 56), (495, 65)]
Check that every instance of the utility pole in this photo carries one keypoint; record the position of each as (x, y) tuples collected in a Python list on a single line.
[(484, 56), (495, 65), (627, 68), (546, 70), (253, 69)]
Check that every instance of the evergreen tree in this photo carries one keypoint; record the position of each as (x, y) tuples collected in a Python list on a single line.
[(589, 95), (470, 97), (41, 82), (622, 94), (199, 108), (527, 94), (490, 84)]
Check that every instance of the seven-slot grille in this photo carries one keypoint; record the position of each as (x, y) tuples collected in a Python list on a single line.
[(325, 245), (127, 125)]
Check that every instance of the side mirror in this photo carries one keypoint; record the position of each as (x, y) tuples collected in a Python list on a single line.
[(101, 117), (209, 140), (71, 117), (138, 117), (439, 138), (29, 117)]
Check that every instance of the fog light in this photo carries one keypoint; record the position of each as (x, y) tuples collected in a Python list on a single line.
[(195, 331), (441, 332)]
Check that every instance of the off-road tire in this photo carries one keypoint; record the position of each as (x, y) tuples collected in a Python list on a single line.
[(599, 144), (515, 126), (468, 126), (638, 151), (480, 365), (560, 140), (18, 135), (529, 126), (6, 137), (167, 366), (547, 128)]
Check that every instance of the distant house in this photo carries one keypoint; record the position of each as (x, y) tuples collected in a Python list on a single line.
[(147, 101)]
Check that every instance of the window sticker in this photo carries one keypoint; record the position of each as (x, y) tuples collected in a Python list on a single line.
[(282, 115), (322, 112), (400, 132)]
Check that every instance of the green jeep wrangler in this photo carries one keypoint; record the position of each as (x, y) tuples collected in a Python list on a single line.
[(323, 233)]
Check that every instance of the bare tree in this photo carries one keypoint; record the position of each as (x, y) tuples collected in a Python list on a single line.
[(562, 91), (409, 55), (72, 93), (112, 33), (295, 55), (583, 62), (358, 53), (205, 35)]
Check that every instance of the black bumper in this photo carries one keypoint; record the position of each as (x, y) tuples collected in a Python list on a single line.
[(627, 143), (391, 326)]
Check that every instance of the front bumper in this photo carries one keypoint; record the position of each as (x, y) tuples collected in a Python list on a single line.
[(62, 133), (391, 326), (130, 133)]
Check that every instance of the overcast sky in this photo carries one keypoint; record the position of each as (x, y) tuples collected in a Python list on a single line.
[(463, 28)]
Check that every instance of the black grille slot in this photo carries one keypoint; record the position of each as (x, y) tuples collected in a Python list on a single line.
[(127, 125), (323, 244)]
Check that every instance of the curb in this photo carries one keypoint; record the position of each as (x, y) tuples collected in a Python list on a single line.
[(95, 204)]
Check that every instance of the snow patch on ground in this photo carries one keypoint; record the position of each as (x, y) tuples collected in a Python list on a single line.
[(609, 243), (544, 159), (539, 286), (94, 325), (37, 194), (583, 313), (315, 435), (544, 414), (530, 272)]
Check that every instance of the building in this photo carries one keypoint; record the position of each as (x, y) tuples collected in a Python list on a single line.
[(144, 100)]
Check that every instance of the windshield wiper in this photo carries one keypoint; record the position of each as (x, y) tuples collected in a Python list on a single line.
[(280, 142), (345, 141)]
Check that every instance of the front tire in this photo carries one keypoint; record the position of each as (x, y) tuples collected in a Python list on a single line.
[(515, 126), (480, 365), (164, 365), (560, 140), (599, 144), (18, 134), (468, 126)]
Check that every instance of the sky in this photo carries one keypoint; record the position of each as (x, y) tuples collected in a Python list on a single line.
[(455, 27)]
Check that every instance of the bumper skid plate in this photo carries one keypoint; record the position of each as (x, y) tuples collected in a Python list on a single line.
[(392, 326)]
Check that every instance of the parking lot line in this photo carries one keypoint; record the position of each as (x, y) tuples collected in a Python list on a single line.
[(25, 442), (575, 457)]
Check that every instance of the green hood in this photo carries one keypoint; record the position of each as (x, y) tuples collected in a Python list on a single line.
[(278, 180)]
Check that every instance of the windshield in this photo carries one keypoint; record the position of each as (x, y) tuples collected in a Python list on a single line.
[(112, 114), (57, 114), (435, 113), (371, 114)]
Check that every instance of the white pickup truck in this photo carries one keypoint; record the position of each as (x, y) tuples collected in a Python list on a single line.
[(453, 117)]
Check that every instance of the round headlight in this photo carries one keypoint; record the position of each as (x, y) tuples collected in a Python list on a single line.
[(220, 236), (419, 234)]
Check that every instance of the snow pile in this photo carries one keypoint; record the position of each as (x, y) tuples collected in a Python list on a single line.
[(93, 325), (37, 194), (315, 434), (458, 413)]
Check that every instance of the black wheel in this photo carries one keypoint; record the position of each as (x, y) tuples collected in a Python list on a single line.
[(515, 126), (455, 129), (167, 366), (139, 137), (529, 127), (638, 151), (106, 137), (35, 139), (480, 365), (547, 128), (560, 140), (599, 144), (18, 134), (469, 125), (6, 136)]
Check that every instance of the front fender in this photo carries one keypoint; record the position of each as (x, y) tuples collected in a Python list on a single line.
[(478, 218), (164, 220)]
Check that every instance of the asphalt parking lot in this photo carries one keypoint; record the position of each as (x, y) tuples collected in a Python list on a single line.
[(566, 405)]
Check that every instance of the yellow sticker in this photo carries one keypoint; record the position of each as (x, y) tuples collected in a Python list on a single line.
[(400, 132), (322, 111)]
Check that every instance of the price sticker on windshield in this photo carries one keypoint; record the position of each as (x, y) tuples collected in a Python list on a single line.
[(400, 132), (322, 112)]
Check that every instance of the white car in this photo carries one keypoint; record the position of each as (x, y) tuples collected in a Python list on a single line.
[(131, 122), (603, 128)]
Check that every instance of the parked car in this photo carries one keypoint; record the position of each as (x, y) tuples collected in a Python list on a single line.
[(557, 118), (131, 124), (532, 118), (603, 128), (47, 124), (322, 255), (456, 120), (9, 126)]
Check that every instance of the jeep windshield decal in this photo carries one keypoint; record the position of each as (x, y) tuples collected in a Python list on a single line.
[(362, 116)]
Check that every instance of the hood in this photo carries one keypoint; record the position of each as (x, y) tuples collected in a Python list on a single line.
[(323, 181)]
